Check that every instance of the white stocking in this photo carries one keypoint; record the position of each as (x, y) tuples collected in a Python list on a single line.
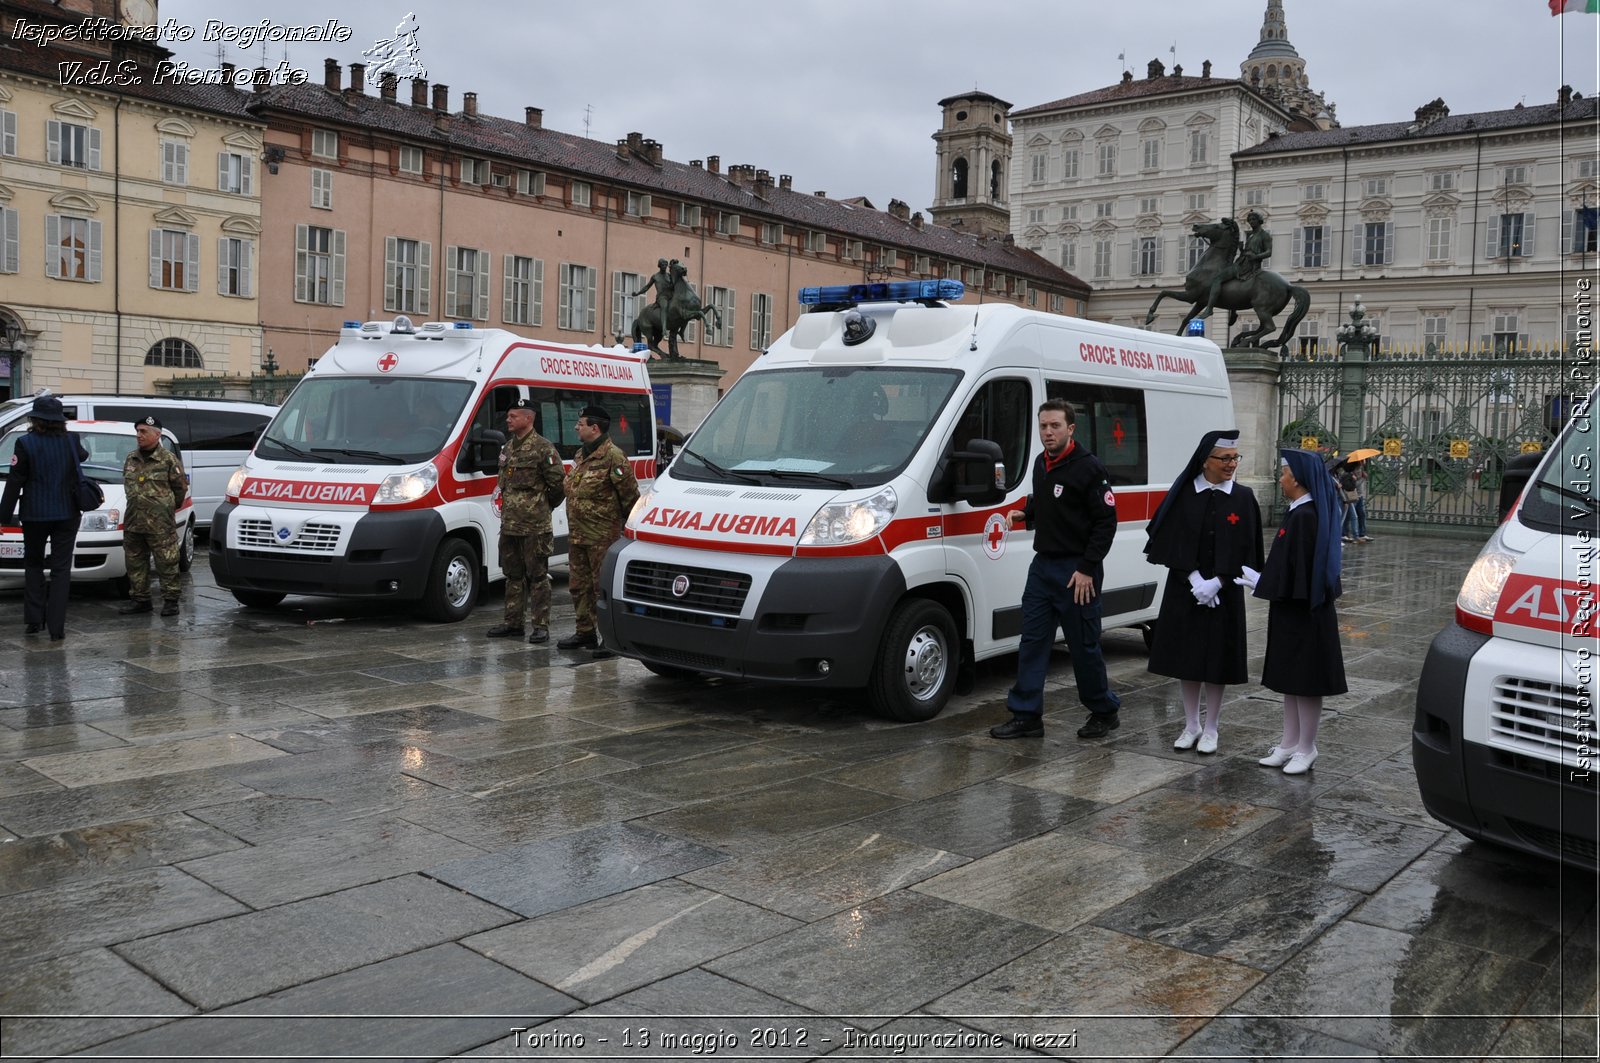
[(1213, 707), (1291, 723), (1310, 716), (1190, 691)]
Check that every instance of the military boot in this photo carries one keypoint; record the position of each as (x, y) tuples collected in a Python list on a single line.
[(138, 605)]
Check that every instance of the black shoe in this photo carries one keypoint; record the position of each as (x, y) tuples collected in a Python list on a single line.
[(1021, 725), (602, 654), (1099, 725), (539, 636), (33, 629), (136, 606), (579, 640), (505, 631), (169, 608)]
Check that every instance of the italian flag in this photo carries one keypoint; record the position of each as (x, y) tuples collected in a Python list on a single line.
[(1574, 7)]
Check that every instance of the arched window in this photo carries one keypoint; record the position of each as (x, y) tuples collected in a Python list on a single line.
[(994, 181), (958, 180), (173, 353)]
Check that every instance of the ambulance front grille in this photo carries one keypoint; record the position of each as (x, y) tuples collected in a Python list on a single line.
[(708, 589), (1550, 721), (256, 534)]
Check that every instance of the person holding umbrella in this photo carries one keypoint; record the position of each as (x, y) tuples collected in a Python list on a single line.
[(1355, 515)]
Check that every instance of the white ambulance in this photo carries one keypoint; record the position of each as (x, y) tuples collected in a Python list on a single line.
[(838, 520), (1504, 739), (377, 478)]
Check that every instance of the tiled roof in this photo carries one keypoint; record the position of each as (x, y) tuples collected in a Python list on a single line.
[(1578, 110), (1138, 88), (43, 63), (540, 148)]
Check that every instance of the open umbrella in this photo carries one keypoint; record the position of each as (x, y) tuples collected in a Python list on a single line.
[(1363, 454)]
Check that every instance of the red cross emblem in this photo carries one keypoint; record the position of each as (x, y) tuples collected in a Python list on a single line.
[(1116, 432), (1281, 531), (388, 362), (1233, 518), (994, 535)]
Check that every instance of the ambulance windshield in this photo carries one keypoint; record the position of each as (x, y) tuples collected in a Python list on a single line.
[(859, 426), (1563, 496), (372, 420)]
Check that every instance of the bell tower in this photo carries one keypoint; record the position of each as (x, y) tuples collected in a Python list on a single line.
[(973, 165)]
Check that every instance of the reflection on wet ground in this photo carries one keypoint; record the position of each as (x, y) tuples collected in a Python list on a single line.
[(219, 827)]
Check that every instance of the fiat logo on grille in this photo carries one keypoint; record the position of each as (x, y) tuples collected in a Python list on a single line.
[(680, 586)]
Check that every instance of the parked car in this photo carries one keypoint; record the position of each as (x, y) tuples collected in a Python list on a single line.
[(216, 434), (98, 555)]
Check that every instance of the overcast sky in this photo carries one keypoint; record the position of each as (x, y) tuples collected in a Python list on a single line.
[(844, 95)]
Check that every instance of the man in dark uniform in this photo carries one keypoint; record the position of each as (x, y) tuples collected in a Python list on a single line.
[(157, 486), (1206, 531), (530, 487), (1074, 515)]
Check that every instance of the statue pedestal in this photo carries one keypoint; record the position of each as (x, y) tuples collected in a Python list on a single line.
[(1253, 376), (686, 389)]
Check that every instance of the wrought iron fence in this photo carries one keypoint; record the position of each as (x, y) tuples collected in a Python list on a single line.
[(1444, 426), (271, 388)]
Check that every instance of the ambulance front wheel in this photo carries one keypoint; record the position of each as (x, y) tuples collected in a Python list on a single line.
[(452, 588), (917, 662)]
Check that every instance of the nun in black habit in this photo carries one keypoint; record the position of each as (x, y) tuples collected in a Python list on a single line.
[(1301, 581), (1206, 532)]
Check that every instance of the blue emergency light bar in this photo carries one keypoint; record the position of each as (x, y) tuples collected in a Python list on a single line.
[(463, 324), (882, 292), (352, 324)]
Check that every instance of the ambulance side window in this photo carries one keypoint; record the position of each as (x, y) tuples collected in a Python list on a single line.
[(1112, 424), (491, 415), (1001, 412)]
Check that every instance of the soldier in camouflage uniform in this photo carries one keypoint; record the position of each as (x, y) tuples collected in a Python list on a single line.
[(157, 487), (530, 487), (601, 489)]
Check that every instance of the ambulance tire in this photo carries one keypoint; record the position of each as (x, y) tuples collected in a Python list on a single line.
[(186, 548), (257, 599), (453, 583), (917, 664)]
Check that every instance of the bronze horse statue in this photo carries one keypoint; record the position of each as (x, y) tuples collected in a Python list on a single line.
[(1264, 292), (683, 308)]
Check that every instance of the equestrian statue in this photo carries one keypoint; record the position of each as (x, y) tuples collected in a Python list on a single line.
[(676, 303), (1217, 280)]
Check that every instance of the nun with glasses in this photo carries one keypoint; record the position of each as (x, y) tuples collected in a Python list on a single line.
[(1300, 583), (1206, 532)]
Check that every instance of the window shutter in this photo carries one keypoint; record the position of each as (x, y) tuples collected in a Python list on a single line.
[(52, 138), (247, 175), (452, 278), (391, 297), (537, 298), (1491, 245), (338, 268), (94, 251), (302, 283), (8, 132), (155, 258), (593, 277), (728, 316), (1358, 241), (222, 171), (10, 246), (480, 300), (507, 301), (564, 297), (222, 266), (247, 254), (619, 297), (94, 148), (1569, 228), (182, 157), (52, 245), (1528, 229), (1388, 243), (191, 271), (424, 278), (1297, 255), (1161, 254)]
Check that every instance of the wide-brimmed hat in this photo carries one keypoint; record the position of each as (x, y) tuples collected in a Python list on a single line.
[(48, 408)]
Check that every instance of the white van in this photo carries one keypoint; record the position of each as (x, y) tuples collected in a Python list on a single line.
[(1504, 739), (215, 434), (377, 478), (838, 520)]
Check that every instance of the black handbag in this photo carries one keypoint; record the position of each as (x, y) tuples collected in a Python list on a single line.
[(86, 494)]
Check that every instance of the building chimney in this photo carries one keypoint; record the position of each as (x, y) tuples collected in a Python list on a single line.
[(696, 164), (1564, 95), (227, 74), (469, 103), (386, 85), (820, 194), (419, 92), (652, 152), (714, 163), (358, 78), (441, 97), (1429, 113), (534, 117), (330, 75), (900, 209), (1205, 69), (636, 143), (916, 220), (763, 183), (1155, 69), (1127, 77), (736, 174), (622, 149), (261, 79), (785, 182)]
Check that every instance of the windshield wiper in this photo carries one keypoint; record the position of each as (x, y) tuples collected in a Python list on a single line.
[(286, 445), (370, 455), (1576, 496), (795, 474), (718, 469)]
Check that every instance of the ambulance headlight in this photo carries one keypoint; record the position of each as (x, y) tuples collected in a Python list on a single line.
[(100, 520), (235, 484), (1480, 591), (843, 523), (647, 499), (407, 486)]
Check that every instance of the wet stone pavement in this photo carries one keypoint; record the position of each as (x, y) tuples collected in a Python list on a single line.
[(332, 831)]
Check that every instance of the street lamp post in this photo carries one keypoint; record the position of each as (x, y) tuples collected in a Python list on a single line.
[(1356, 337)]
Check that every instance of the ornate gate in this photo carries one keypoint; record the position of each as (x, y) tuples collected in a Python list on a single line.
[(1444, 426)]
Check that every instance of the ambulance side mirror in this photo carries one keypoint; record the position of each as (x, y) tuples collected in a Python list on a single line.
[(976, 475), (485, 444)]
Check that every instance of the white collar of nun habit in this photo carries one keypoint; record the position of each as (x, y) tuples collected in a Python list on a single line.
[(1302, 500), (1202, 484)]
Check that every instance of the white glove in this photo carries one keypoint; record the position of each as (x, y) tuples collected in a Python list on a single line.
[(1205, 591), (1250, 578)]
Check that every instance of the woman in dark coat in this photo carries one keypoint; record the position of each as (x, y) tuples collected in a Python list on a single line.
[(1301, 581), (43, 474), (1206, 532)]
